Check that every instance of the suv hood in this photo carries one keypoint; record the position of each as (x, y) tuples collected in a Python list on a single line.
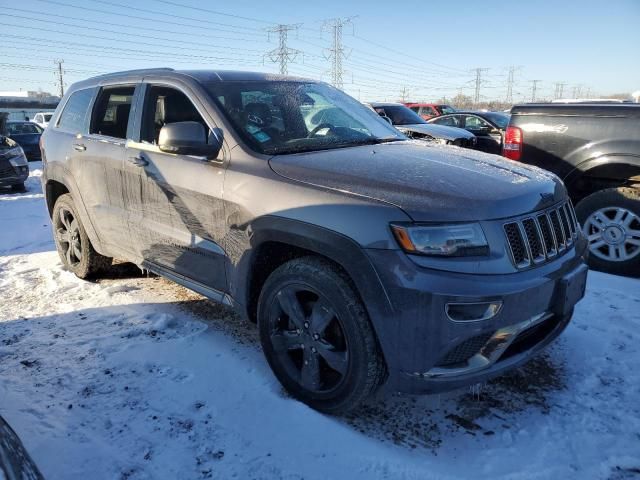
[(429, 182), (437, 131)]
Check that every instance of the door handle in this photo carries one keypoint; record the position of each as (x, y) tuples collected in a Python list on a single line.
[(138, 161), (79, 147)]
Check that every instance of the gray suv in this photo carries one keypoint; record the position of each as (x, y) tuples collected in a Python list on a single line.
[(364, 257)]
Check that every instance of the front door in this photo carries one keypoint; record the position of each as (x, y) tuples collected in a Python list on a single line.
[(488, 140), (175, 208)]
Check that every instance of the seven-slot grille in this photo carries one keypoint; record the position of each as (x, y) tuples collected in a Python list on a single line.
[(541, 236)]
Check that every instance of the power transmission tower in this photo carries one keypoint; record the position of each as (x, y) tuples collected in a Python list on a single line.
[(534, 89), (577, 91), (337, 51), (404, 94), (511, 80), (283, 54), (559, 90), (59, 72), (479, 72)]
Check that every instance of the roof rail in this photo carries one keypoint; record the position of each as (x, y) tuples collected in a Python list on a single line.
[(139, 70)]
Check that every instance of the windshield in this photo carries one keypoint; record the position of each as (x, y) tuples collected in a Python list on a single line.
[(20, 128), (500, 119), (47, 116), (399, 114), (445, 109), (280, 117)]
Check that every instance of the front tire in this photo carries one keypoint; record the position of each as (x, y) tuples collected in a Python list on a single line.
[(317, 337), (610, 220), (73, 245)]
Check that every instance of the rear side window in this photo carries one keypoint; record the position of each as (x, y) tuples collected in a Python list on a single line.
[(447, 121), (111, 112), (73, 115)]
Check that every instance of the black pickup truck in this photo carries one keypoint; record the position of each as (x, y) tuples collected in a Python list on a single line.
[(595, 150)]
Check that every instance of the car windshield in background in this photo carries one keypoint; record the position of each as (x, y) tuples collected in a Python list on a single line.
[(400, 115), (500, 119), (22, 128), (280, 117), (47, 116), (447, 109)]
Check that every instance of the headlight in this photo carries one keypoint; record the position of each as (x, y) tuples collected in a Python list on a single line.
[(16, 157), (455, 240), (442, 141)]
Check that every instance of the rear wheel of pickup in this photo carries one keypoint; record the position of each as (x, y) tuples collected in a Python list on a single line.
[(317, 337), (73, 244), (610, 220)]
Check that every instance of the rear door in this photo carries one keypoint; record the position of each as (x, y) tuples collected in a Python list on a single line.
[(99, 172), (174, 202)]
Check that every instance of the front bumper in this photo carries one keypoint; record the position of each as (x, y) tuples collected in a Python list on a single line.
[(427, 352), (10, 175)]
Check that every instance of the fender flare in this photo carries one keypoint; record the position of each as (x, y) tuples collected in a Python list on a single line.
[(327, 243), (613, 167), (58, 173)]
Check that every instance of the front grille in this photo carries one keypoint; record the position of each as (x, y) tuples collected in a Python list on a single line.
[(465, 350), (536, 239)]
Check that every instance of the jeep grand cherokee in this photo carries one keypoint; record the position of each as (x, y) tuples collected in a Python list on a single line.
[(363, 256)]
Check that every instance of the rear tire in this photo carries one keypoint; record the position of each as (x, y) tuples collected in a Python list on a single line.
[(317, 337), (610, 220), (73, 245)]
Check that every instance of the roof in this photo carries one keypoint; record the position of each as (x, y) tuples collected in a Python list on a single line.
[(200, 75), (385, 104)]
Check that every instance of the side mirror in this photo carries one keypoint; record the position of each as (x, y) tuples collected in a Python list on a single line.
[(188, 138)]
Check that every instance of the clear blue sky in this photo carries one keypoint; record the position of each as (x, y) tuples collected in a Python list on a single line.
[(426, 47)]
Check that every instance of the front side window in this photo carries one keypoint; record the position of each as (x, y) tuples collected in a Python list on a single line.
[(75, 111), (281, 117), (111, 112), (475, 123), (165, 105)]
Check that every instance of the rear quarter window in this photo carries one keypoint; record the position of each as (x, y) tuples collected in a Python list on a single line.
[(75, 111)]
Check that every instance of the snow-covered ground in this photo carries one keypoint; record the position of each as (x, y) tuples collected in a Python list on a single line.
[(132, 377)]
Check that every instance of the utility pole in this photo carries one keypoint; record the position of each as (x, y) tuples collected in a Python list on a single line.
[(337, 51), (479, 72), (59, 72), (283, 54), (534, 89), (559, 90), (511, 80)]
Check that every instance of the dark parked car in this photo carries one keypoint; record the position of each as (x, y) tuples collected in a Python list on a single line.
[(15, 462), (363, 257), (595, 150), (27, 135), (414, 126), (488, 127), (429, 110), (14, 168)]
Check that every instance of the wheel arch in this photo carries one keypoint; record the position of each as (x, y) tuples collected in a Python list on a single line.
[(275, 240), (607, 171)]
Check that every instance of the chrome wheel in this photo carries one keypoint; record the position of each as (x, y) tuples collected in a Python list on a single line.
[(68, 236), (308, 338), (613, 234)]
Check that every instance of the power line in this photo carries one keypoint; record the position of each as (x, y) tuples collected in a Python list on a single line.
[(511, 79), (283, 54)]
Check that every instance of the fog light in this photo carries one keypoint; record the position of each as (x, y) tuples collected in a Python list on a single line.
[(472, 312)]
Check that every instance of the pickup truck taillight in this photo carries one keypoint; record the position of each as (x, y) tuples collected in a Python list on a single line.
[(512, 146)]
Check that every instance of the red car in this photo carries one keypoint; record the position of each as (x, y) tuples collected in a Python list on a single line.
[(430, 110)]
